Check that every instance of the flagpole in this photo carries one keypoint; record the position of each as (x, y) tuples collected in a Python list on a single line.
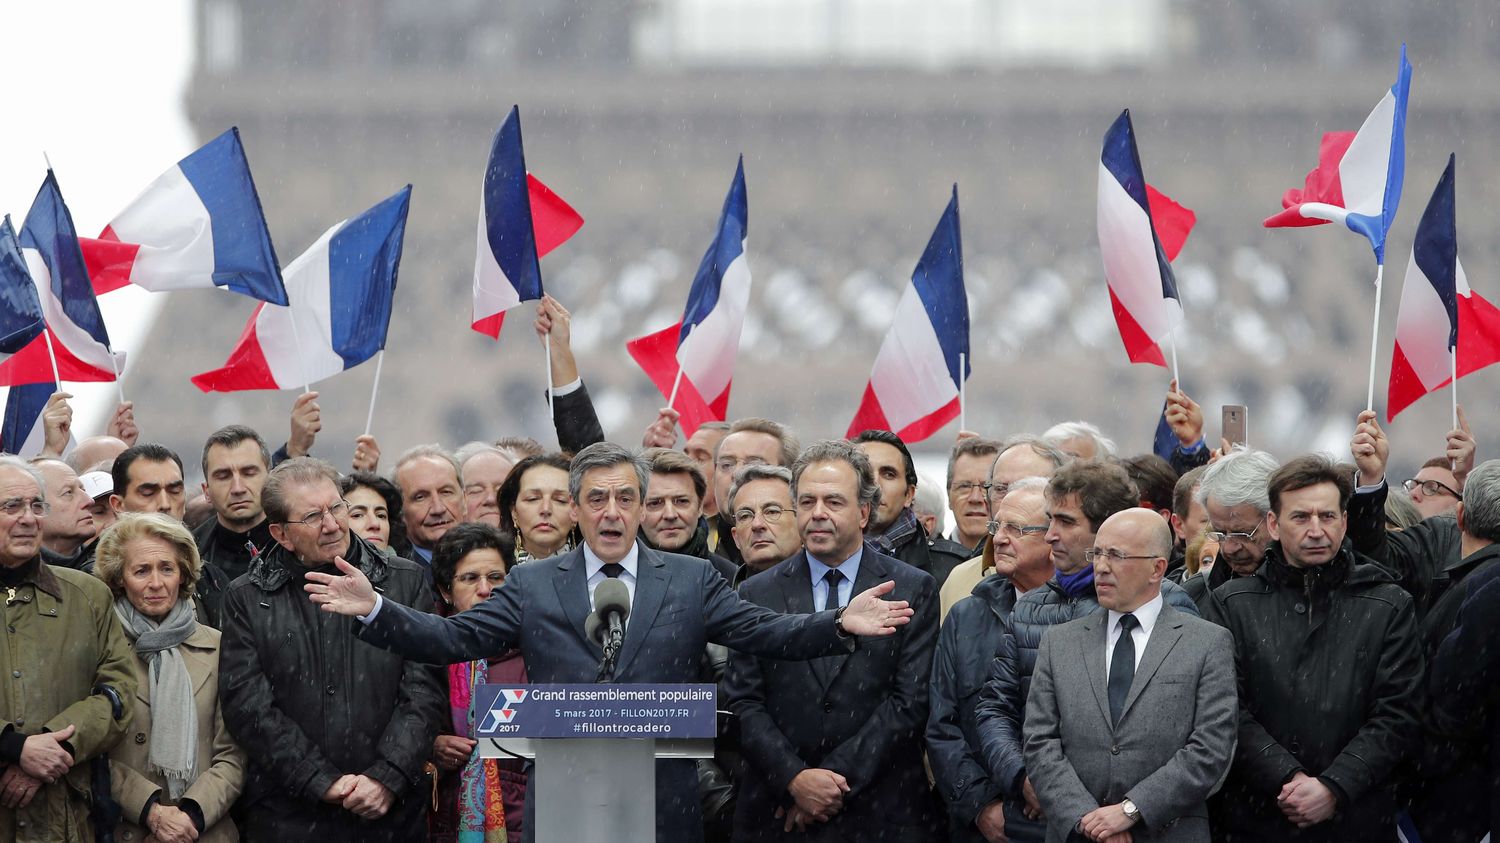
[(677, 381), (1374, 336), (47, 334), (1453, 371), (115, 364), (547, 343), (1172, 341), (374, 390), (301, 363), (962, 384)]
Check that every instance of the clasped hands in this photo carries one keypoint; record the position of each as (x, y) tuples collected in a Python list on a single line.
[(360, 795), (818, 796)]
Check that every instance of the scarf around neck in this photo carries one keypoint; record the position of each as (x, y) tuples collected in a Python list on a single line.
[(1076, 583), (174, 718)]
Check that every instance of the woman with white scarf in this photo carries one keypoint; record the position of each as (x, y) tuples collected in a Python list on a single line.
[(177, 770)]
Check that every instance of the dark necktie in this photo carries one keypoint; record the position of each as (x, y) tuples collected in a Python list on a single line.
[(833, 578), (612, 569), (1122, 667)]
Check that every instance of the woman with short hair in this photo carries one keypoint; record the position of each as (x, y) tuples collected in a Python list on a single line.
[(177, 771)]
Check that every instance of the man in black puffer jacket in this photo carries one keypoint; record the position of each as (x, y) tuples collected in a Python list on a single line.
[(1330, 674), (337, 732)]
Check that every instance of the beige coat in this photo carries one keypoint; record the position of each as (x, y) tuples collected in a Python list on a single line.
[(221, 763), (59, 639)]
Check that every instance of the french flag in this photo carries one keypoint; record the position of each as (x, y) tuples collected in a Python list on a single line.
[(1358, 178), (915, 382), (340, 290), (21, 319), (22, 434), (49, 245), (1442, 327), (1141, 231), (704, 345), (520, 221), (198, 226)]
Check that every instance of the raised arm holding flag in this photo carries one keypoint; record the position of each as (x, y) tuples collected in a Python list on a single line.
[(1358, 183)]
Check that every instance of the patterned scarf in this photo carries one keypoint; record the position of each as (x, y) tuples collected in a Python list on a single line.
[(481, 811)]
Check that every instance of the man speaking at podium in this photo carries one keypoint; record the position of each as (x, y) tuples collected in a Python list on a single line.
[(679, 604)]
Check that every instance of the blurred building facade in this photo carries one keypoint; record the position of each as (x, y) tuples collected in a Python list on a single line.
[(854, 117)]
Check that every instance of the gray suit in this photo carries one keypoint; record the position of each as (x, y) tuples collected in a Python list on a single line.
[(1172, 746)]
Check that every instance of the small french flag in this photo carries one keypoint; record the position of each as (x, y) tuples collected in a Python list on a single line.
[(49, 244), (198, 226), (1443, 326), (21, 318), (915, 382), (341, 290), (1140, 231), (705, 343), (21, 434), (1358, 178), (520, 221)]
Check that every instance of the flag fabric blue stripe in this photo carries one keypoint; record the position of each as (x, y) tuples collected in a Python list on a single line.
[(1376, 228), (1122, 159), (23, 407), (244, 259), (21, 318), (49, 230), (363, 258), (1435, 248), (939, 281), (507, 210), (728, 246)]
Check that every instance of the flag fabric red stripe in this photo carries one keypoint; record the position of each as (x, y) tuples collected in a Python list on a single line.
[(490, 325), (1171, 220), (869, 416), (1406, 387), (656, 354), (553, 220), (1138, 345), (1478, 334), (108, 260), (246, 367), (1322, 184), (31, 365), (930, 423)]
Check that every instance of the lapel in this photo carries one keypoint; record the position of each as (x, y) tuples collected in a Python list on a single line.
[(572, 587), (1095, 638), (651, 579), (1163, 638)]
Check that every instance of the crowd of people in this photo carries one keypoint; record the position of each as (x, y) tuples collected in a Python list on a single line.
[(1220, 646)]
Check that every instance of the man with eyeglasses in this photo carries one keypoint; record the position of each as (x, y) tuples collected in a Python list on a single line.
[(750, 441), (337, 732), (977, 809), (1080, 497), (765, 522), (1233, 494), (1019, 457), (60, 641), (1145, 761), (1330, 674), (968, 498)]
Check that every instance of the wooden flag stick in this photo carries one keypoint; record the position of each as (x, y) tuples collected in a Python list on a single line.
[(1374, 337), (374, 391), (115, 364), (962, 384), (51, 355), (1172, 341), (548, 347), (677, 381)]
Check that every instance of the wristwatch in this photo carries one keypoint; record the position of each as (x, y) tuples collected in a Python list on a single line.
[(838, 623), (1132, 813)]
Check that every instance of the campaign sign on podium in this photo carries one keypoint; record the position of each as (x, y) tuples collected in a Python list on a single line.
[(661, 712)]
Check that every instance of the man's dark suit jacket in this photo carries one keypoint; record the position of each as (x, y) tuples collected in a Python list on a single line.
[(680, 605), (861, 715)]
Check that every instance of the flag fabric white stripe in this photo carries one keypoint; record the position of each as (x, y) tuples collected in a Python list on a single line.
[(307, 288), (910, 377), (1366, 164), (171, 216), (708, 354), (78, 341), (1128, 248)]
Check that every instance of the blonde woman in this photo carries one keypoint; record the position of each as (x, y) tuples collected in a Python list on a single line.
[(177, 770)]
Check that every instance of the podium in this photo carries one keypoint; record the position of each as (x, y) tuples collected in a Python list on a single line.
[(595, 749)]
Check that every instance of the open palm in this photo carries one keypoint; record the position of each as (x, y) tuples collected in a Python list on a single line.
[(350, 594)]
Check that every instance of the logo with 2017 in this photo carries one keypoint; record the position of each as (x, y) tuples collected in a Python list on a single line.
[(498, 717)]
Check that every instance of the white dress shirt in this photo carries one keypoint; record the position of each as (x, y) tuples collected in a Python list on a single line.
[(1146, 621), (594, 567)]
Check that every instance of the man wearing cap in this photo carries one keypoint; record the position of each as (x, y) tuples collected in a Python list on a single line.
[(98, 485)]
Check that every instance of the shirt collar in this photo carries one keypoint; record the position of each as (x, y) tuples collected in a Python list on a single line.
[(1146, 615), (849, 567), (593, 564)]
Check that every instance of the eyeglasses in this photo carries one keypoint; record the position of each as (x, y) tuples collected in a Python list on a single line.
[(1430, 487), (1220, 536), (315, 519), (770, 512), (963, 490), (472, 578), (1094, 554), (15, 506), (1010, 528)]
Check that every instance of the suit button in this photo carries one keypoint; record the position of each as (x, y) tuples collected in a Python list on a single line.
[(1114, 750), (16, 674), (140, 737), (827, 708), (20, 723), (1299, 608), (330, 690)]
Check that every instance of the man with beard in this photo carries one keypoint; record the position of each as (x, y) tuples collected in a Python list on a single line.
[(68, 528), (893, 528), (432, 496), (1233, 493), (235, 464)]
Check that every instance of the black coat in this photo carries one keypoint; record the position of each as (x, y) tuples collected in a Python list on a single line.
[(1421, 558), (1330, 679), (1465, 688), (861, 715), (310, 702), (934, 554)]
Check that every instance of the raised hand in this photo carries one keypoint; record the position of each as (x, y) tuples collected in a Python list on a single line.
[(554, 321), (307, 421), (1461, 449), (366, 453), (350, 594), (1370, 449), (122, 423), (57, 424), (868, 614), (1183, 415), (663, 432)]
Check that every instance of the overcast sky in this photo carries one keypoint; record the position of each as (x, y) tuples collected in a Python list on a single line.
[(97, 86)]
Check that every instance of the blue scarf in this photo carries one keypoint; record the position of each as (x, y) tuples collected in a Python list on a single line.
[(1076, 583)]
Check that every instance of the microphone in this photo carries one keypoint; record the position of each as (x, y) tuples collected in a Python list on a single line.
[(607, 624)]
